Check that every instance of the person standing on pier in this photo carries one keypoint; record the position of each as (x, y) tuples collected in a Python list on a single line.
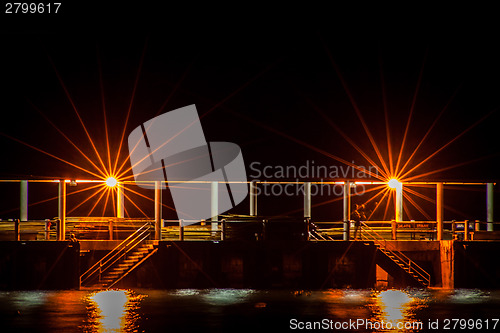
[(358, 216)]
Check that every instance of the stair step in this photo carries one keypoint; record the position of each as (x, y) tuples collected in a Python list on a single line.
[(119, 269), (123, 266), (129, 261), (135, 256)]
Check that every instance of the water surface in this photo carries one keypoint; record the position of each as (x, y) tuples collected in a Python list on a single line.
[(247, 310)]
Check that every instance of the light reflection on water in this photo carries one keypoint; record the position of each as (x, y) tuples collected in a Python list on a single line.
[(398, 307), (225, 310), (112, 311)]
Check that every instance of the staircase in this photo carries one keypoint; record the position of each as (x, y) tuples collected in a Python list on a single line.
[(395, 260), (319, 236), (119, 262), (315, 233)]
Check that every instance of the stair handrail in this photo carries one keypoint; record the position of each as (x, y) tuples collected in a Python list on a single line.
[(98, 266), (132, 268), (316, 236), (144, 234), (398, 254), (102, 264)]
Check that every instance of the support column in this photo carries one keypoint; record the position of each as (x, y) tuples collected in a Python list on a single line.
[(399, 202), (119, 201), (489, 206), (347, 209), (214, 204), (307, 200), (439, 211), (158, 215), (61, 227), (23, 201), (447, 264), (253, 198)]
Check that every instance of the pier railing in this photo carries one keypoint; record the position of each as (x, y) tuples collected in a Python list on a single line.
[(111, 228), (397, 257), (408, 230), (116, 254)]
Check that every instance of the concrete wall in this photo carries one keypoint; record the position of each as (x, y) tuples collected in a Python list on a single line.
[(477, 264), (452, 264), (240, 264), (287, 264), (39, 265), (447, 256)]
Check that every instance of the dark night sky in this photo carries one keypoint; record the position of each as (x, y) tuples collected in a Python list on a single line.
[(261, 68)]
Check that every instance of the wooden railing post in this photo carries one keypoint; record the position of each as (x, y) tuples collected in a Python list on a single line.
[(110, 229), (394, 229), (224, 229), (466, 230), (17, 230)]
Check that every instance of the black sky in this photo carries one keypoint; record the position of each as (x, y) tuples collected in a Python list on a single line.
[(253, 69)]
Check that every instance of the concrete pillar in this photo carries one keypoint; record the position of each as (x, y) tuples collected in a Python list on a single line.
[(489, 206), (214, 204), (307, 200), (120, 198), (399, 202), (24, 200), (447, 267), (253, 198), (158, 215), (61, 228), (439, 211), (347, 209)]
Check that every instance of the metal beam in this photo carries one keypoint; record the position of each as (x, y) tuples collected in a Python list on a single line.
[(439, 210), (158, 212), (23, 202), (399, 202), (120, 207), (489, 206), (253, 198), (214, 205), (61, 228), (307, 200), (347, 209)]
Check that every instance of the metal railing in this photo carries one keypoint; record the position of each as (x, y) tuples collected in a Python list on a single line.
[(132, 268), (410, 230), (193, 230), (410, 266), (94, 228), (116, 254)]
